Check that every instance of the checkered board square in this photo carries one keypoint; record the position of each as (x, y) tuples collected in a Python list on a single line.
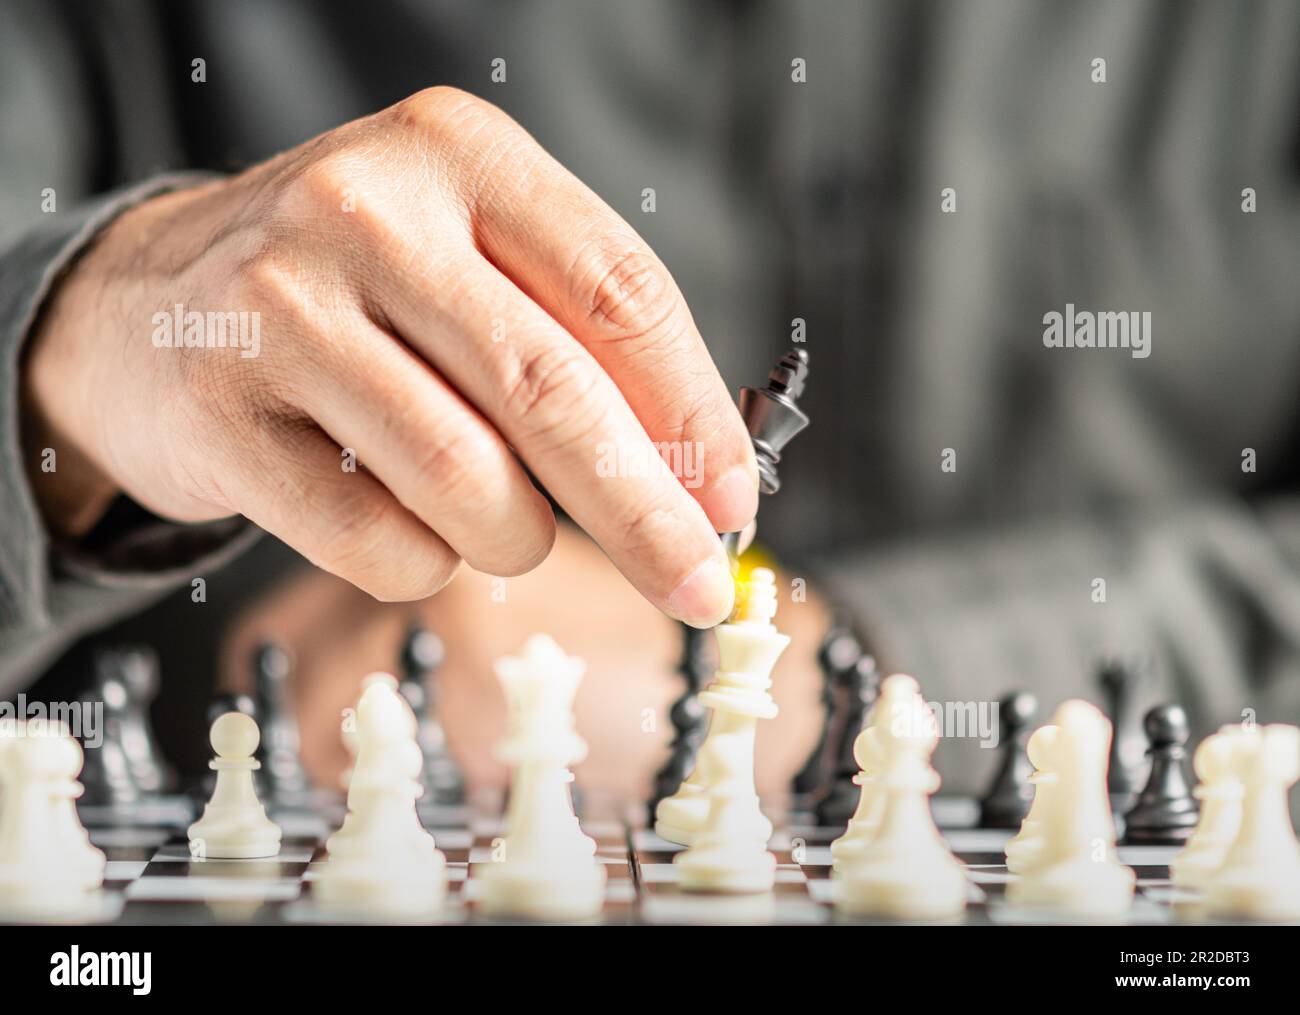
[(151, 878)]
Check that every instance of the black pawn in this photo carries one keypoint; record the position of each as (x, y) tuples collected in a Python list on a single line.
[(106, 771), (422, 655), (860, 688), (280, 748), (1166, 812), (1120, 683), (839, 651), (1011, 792)]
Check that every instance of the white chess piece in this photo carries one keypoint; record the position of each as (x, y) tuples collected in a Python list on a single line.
[(382, 859), (1220, 793), (349, 731), (47, 864), (1022, 847), (748, 648), (905, 871), (865, 822), (544, 868), (1076, 870), (234, 825), (1260, 876), (727, 854)]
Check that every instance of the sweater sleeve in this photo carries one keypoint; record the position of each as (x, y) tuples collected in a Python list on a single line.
[(51, 592)]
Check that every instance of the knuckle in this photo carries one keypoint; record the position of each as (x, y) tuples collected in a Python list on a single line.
[(357, 531), (555, 393), (456, 464), (623, 290), (314, 193), (650, 527), (696, 413), (360, 546), (436, 106)]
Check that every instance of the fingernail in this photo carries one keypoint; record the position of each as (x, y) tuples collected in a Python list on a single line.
[(732, 501), (706, 597)]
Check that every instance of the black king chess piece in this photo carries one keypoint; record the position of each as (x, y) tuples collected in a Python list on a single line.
[(1011, 792), (773, 418), (1166, 811), (422, 655)]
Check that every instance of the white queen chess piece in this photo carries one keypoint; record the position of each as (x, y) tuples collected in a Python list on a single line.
[(47, 865), (1260, 876), (545, 867), (906, 870), (383, 859), (1075, 870), (748, 648), (234, 825)]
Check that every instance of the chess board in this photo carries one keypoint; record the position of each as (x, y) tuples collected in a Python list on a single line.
[(152, 879)]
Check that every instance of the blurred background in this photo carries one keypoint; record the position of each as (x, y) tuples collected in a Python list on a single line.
[(939, 177)]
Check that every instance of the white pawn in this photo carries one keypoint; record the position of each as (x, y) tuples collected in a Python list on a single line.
[(545, 867), (1025, 844), (728, 854), (863, 825), (234, 825), (382, 859), (47, 864), (1076, 869), (1220, 793), (906, 871), (1260, 876)]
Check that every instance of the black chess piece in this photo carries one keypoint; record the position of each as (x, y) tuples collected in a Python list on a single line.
[(106, 770), (773, 418), (1166, 812), (839, 651), (1120, 682), (859, 689), (1011, 792), (137, 667), (281, 744), (422, 655), (687, 716)]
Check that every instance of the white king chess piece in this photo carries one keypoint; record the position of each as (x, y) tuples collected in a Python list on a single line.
[(1260, 876), (47, 865), (906, 870), (382, 859), (1075, 869), (234, 825), (748, 648), (545, 867)]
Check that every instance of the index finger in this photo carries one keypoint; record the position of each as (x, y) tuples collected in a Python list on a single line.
[(573, 255)]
